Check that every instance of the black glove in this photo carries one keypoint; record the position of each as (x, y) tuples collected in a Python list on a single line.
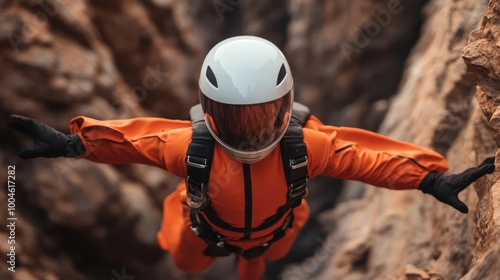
[(49, 142), (446, 187)]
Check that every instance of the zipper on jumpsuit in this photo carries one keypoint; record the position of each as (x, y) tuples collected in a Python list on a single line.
[(248, 200)]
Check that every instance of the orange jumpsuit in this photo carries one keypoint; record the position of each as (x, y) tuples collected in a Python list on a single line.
[(346, 153)]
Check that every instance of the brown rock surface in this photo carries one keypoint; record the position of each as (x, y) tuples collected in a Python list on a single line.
[(128, 58), (351, 53), (377, 236), (482, 56)]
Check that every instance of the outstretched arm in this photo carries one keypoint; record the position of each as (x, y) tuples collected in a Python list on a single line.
[(139, 140), (356, 154)]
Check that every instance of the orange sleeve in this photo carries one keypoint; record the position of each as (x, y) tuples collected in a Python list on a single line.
[(139, 140), (357, 154)]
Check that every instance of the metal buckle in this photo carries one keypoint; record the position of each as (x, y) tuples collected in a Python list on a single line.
[(196, 230), (220, 243), (298, 162), (195, 200), (196, 164), (195, 204), (299, 189), (202, 188)]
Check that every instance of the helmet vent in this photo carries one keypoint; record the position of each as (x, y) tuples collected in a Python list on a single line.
[(211, 77), (281, 74)]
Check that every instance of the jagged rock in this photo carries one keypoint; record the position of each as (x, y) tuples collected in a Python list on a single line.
[(123, 58), (383, 232), (410, 272), (482, 57), (349, 53), (10, 23)]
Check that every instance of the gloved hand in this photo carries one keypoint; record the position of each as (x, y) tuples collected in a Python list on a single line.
[(49, 142), (446, 187)]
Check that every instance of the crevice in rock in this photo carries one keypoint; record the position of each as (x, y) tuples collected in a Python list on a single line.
[(51, 12), (163, 20), (458, 111), (360, 264)]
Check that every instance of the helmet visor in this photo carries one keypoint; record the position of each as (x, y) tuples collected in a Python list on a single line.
[(251, 127)]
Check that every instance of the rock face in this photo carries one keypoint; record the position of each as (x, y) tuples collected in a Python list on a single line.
[(408, 235), (350, 51), (482, 56), (121, 59)]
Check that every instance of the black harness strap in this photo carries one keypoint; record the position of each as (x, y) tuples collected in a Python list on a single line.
[(199, 159), (294, 156), (217, 247)]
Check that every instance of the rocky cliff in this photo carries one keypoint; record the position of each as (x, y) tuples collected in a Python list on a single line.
[(406, 235), (353, 61)]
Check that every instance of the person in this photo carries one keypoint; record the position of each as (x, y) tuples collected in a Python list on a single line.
[(247, 204)]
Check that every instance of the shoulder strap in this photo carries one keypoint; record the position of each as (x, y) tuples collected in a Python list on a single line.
[(294, 155), (300, 113), (199, 160)]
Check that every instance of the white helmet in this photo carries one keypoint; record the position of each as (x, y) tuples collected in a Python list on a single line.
[(246, 91)]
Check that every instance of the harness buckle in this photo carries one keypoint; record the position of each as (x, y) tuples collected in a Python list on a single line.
[(196, 199), (296, 163), (220, 241), (195, 204), (196, 230), (298, 188), (197, 162)]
